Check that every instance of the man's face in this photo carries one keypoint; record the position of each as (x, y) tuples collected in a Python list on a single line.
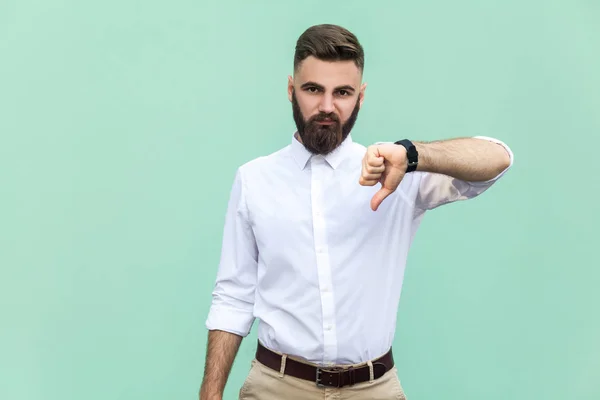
[(326, 97)]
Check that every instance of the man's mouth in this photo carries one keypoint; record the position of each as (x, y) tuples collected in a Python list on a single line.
[(326, 122)]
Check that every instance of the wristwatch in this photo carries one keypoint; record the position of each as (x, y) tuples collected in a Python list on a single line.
[(411, 153)]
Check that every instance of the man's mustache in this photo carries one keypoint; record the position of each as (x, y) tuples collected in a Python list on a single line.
[(325, 117)]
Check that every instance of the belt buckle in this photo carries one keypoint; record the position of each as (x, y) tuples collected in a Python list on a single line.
[(318, 378), (334, 370)]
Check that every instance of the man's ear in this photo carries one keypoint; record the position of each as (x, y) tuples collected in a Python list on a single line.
[(290, 88), (361, 94)]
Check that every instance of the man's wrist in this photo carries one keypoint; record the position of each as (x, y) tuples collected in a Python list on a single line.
[(412, 154)]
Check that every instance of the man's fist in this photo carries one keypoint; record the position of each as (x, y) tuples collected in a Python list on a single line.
[(385, 164)]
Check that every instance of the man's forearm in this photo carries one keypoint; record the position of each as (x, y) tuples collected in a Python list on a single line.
[(469, 159), (221, 351)]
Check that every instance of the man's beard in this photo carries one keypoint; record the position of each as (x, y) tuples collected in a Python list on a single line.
[(322, 139)]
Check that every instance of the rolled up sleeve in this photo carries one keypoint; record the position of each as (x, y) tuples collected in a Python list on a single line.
[(232, 308), (438, 189)]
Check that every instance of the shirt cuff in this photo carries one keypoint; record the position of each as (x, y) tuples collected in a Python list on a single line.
[(230, 320)]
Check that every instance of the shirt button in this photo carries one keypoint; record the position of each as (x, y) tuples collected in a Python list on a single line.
[(328, 327)]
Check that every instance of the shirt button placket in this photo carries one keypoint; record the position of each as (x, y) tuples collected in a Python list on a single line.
[(323, 264)]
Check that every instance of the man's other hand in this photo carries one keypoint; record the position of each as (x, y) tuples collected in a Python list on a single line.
[(385, 164)]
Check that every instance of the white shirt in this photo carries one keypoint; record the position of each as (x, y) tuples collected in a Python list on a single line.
[(305, 255)]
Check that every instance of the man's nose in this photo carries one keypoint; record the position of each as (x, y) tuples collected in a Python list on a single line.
[(326, 105)]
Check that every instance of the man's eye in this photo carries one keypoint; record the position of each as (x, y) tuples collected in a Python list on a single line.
[(344, 93), (312, 89)]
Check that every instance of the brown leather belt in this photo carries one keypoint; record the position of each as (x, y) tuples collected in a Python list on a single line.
[(323, 376)]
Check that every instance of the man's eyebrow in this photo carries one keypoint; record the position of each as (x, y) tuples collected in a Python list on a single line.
[(321, 87), (345, 87), (312, 84)]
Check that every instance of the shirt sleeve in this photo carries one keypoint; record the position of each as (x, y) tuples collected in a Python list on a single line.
[(232, 308), (438, 189)]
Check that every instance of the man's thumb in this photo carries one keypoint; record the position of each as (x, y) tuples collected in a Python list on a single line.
[(379, 197)]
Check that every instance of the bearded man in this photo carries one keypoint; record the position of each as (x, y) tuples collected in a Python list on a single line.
[(317, 235)]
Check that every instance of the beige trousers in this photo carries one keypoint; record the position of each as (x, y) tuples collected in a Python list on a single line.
[(263, 383)]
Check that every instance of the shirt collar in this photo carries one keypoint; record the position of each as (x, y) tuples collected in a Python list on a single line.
[(302, 156)]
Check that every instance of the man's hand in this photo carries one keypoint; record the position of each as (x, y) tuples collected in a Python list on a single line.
[(385, 164)]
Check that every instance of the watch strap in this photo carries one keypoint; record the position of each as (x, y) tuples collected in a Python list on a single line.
[(411, 153)]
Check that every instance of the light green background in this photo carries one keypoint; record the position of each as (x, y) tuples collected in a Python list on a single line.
[(122, 124)]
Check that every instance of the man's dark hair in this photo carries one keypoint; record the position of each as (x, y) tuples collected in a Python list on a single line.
[(329, 43)]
